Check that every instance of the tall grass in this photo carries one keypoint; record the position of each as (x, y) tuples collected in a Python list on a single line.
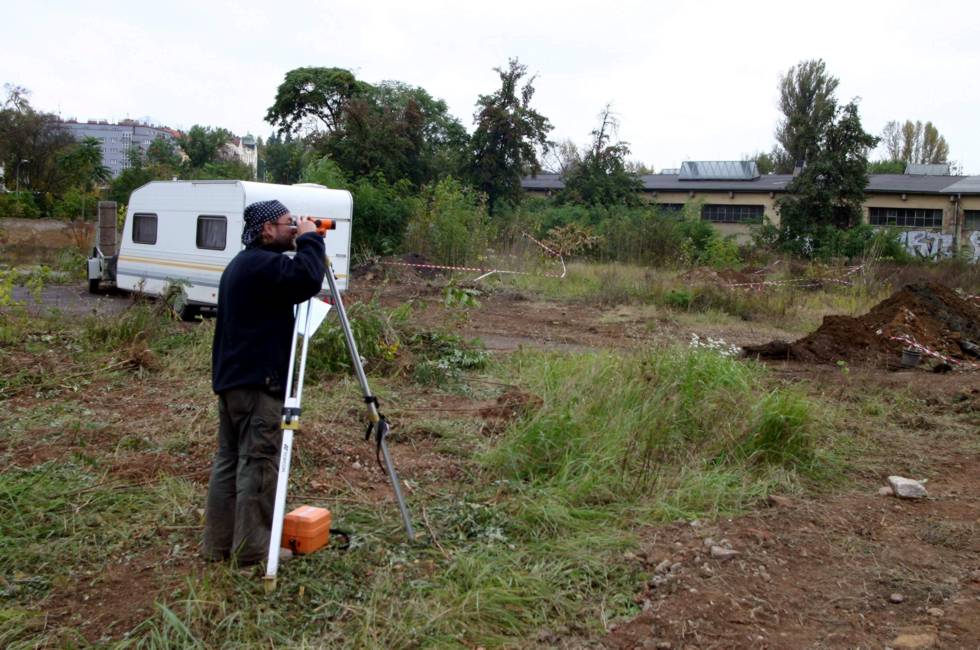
[(617, 428)]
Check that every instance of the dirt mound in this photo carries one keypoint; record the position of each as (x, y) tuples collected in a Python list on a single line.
[(932, 315)]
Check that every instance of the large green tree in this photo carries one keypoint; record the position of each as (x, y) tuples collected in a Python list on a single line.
[(507, 137), (312, 100), (602, 177), (828, 193), (914, 142), (202, 145), (808, 104), (32, 145), (400, 132)]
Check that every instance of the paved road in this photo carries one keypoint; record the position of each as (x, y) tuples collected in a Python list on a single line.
[(73, 299)]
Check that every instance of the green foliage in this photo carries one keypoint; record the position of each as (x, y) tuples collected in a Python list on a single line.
[(859, 241), (618, 428), (829, 192), (326, 172), (141, 324), (283, 160), (442, 358), (202, 145), (602, 176), (311, 99), (808, 104), (449, 225), (376, 332), (399, 132), (76, 204), (82, 164), (18, 204), (32, 145), (507, 132), (886, 167)]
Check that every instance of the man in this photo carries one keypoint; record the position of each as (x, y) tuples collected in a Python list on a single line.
[(250, 359)]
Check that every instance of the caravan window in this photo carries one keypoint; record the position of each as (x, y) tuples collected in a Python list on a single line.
[(211, 232), (144, 228)]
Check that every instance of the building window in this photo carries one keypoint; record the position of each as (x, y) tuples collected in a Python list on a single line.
[(905, 217), (144, 228), (211, 232), (720, 213), (971, 219)]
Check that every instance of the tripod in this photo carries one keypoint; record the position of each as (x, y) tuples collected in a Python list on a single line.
[(309, 317)]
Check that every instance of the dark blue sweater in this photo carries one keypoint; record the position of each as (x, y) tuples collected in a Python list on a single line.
[(256, 295)]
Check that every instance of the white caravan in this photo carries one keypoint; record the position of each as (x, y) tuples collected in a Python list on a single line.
[(187, 232)]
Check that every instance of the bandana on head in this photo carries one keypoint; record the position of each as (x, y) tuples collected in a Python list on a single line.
[(257, 214)]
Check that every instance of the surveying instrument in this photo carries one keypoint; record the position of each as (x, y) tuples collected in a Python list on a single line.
[(309, 316)]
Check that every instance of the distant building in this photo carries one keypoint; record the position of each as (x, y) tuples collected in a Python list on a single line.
[(118, 139), (243, 149), (938, 214)]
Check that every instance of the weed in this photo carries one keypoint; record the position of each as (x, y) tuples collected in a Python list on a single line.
[(616, 428), (376, 332)]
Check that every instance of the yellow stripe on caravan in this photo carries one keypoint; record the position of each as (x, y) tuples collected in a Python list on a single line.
[(181, 265)]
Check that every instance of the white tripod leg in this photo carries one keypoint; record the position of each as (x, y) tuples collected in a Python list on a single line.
[(279, 512)]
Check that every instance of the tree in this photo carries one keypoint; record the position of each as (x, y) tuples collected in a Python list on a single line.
[(312, 100), (203, 145), (163, 152), (561, 158), (829, 191), (35, 137), (602, 177), (82, 164), (507, 133), (808, 104), (398, 131), (283, 159), (914, 143)]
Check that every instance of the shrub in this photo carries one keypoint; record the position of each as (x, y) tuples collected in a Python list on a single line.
[(19, 205), (449, 224), (375, 331), (610, 425)]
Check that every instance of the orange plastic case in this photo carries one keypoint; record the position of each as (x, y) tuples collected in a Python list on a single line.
[(306, 529)]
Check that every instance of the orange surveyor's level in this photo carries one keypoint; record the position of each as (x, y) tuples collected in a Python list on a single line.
[(323, 225)]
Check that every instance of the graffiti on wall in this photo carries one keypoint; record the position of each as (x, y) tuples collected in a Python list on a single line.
[(925, 243)]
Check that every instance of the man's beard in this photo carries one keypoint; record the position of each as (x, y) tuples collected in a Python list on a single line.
[(281, 246)]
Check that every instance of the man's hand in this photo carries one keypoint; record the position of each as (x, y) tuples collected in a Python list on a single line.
[(305, 225)]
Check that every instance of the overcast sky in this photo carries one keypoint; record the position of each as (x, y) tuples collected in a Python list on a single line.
[(688, 80)]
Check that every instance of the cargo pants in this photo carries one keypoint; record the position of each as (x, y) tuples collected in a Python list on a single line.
[(242, 490)]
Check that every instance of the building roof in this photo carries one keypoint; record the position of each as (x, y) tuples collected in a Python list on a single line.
[(966, 185), (877, 183), (909, 184), (717, 170)]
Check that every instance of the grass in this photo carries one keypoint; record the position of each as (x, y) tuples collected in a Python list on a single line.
[(525, 536), (627, 428)]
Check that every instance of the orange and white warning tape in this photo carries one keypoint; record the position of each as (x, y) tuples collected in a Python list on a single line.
[(915, 345), (487, 272), (801, 281)]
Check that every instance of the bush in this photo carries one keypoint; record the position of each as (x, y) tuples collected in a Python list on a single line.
[(443, 358), (19, 205), (375, 332), (611, 425), (76, 204), (449, 224)]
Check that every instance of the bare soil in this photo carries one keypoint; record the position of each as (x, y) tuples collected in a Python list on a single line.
[(811, 571), (930, 315)]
